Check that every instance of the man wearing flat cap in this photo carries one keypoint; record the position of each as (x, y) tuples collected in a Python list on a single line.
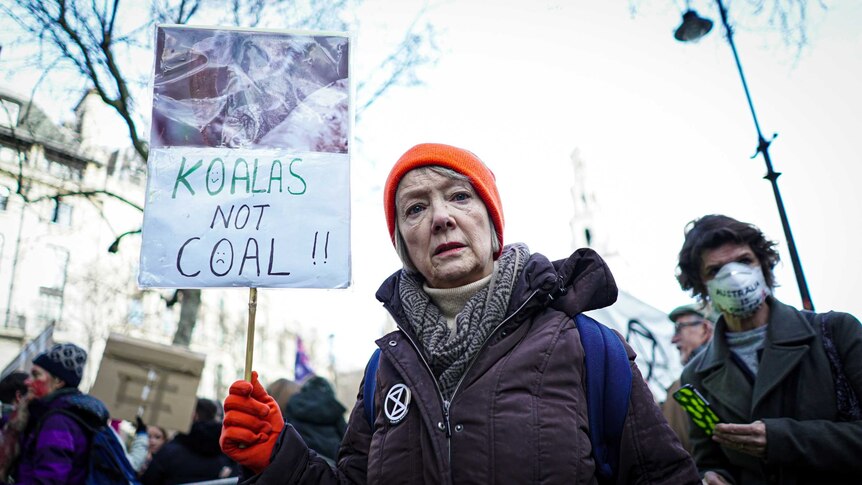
[(692, 331)]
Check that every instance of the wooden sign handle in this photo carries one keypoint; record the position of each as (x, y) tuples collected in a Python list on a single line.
[(249, 339)]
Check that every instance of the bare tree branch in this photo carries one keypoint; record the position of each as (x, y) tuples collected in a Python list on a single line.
[(88, 193), (91, 37)]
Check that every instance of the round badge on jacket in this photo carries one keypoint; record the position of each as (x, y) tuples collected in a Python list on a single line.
[(397, 403)]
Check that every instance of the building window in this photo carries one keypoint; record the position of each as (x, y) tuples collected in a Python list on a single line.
[(50, 306), (8, 155), (54, 262), (63, 171), (220, 385), (9, 111), (62, 214), (4, 198), (136, 312), (60, 167)]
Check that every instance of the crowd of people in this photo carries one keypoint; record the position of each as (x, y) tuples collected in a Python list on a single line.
[(487, 377), (42, 441)]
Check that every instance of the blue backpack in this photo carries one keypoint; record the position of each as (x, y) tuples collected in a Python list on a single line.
[(107, 463), (608, 383)]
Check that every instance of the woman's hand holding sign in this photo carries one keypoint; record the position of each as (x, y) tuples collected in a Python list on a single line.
[(251, 424)]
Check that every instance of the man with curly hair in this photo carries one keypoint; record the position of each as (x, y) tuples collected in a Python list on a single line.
[(783, 382)]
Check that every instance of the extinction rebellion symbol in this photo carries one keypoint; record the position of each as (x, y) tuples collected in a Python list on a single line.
[(397, 403)]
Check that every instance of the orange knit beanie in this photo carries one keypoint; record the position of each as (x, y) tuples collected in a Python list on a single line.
[(457, 159)]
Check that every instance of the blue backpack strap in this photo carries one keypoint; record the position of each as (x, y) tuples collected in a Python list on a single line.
[(609, 381), (369, 386)]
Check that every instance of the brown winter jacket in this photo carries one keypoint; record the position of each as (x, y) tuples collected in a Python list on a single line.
[(518, 416)]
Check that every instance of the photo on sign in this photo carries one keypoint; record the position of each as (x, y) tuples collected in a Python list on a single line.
[(250, 89)]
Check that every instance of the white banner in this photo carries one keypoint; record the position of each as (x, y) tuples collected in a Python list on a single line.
[(218, 217), (248, 170)]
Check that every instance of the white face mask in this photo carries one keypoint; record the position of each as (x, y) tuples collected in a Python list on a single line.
[(738, 289)]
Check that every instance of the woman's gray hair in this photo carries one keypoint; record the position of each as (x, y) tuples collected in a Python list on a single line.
[(401, 246)]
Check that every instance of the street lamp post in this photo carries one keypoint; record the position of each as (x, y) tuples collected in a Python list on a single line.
[(693, 28)]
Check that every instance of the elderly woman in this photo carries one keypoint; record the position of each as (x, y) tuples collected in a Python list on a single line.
[(483, 382)]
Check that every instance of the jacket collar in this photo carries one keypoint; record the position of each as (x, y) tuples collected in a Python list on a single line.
[(786, 327), (573, 285), (787, 337)]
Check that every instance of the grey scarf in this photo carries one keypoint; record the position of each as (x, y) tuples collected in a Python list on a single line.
[(449, 357)]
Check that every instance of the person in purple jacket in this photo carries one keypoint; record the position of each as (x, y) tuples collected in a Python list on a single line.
[(54, 447)]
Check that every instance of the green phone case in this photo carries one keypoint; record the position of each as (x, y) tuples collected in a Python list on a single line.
[(697, 407)]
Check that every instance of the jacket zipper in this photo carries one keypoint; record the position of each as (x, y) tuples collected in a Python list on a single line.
[(439, 394), (447, 403), (485, 342)]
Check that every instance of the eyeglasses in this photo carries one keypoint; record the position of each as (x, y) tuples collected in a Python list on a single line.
[(678, 326)]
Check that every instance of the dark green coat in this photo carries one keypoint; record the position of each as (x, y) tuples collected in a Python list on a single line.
[(793, 394)]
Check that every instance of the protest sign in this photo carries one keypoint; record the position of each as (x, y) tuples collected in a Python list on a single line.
[(249, 167), (23, 362), (159, 382)]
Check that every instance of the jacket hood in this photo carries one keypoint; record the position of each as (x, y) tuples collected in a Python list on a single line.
[(87, 407), (586, 283), (315, 403), (203, 438), (573, 285), (785, 328)]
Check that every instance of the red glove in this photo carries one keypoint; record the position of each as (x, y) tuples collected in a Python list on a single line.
[(252, 423)]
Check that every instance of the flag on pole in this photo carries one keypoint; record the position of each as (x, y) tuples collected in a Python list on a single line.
[(24, 360), (302, 368)]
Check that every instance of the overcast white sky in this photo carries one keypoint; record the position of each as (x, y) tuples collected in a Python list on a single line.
[(663, 127)]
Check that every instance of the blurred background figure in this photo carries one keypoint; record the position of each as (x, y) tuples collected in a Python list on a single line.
[(192, 457), (54, 446), (282, 390), (156, 438), (12, 390), (135, 446), (318, 416), (692, 331)]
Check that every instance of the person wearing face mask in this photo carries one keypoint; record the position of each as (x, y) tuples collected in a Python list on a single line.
[(783, 382)]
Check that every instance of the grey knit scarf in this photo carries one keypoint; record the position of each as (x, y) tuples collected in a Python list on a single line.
[(449, 358)]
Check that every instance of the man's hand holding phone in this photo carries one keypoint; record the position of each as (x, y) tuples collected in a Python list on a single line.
[(745, 438)]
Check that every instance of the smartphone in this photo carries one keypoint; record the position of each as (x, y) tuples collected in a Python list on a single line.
[(697, 407)]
